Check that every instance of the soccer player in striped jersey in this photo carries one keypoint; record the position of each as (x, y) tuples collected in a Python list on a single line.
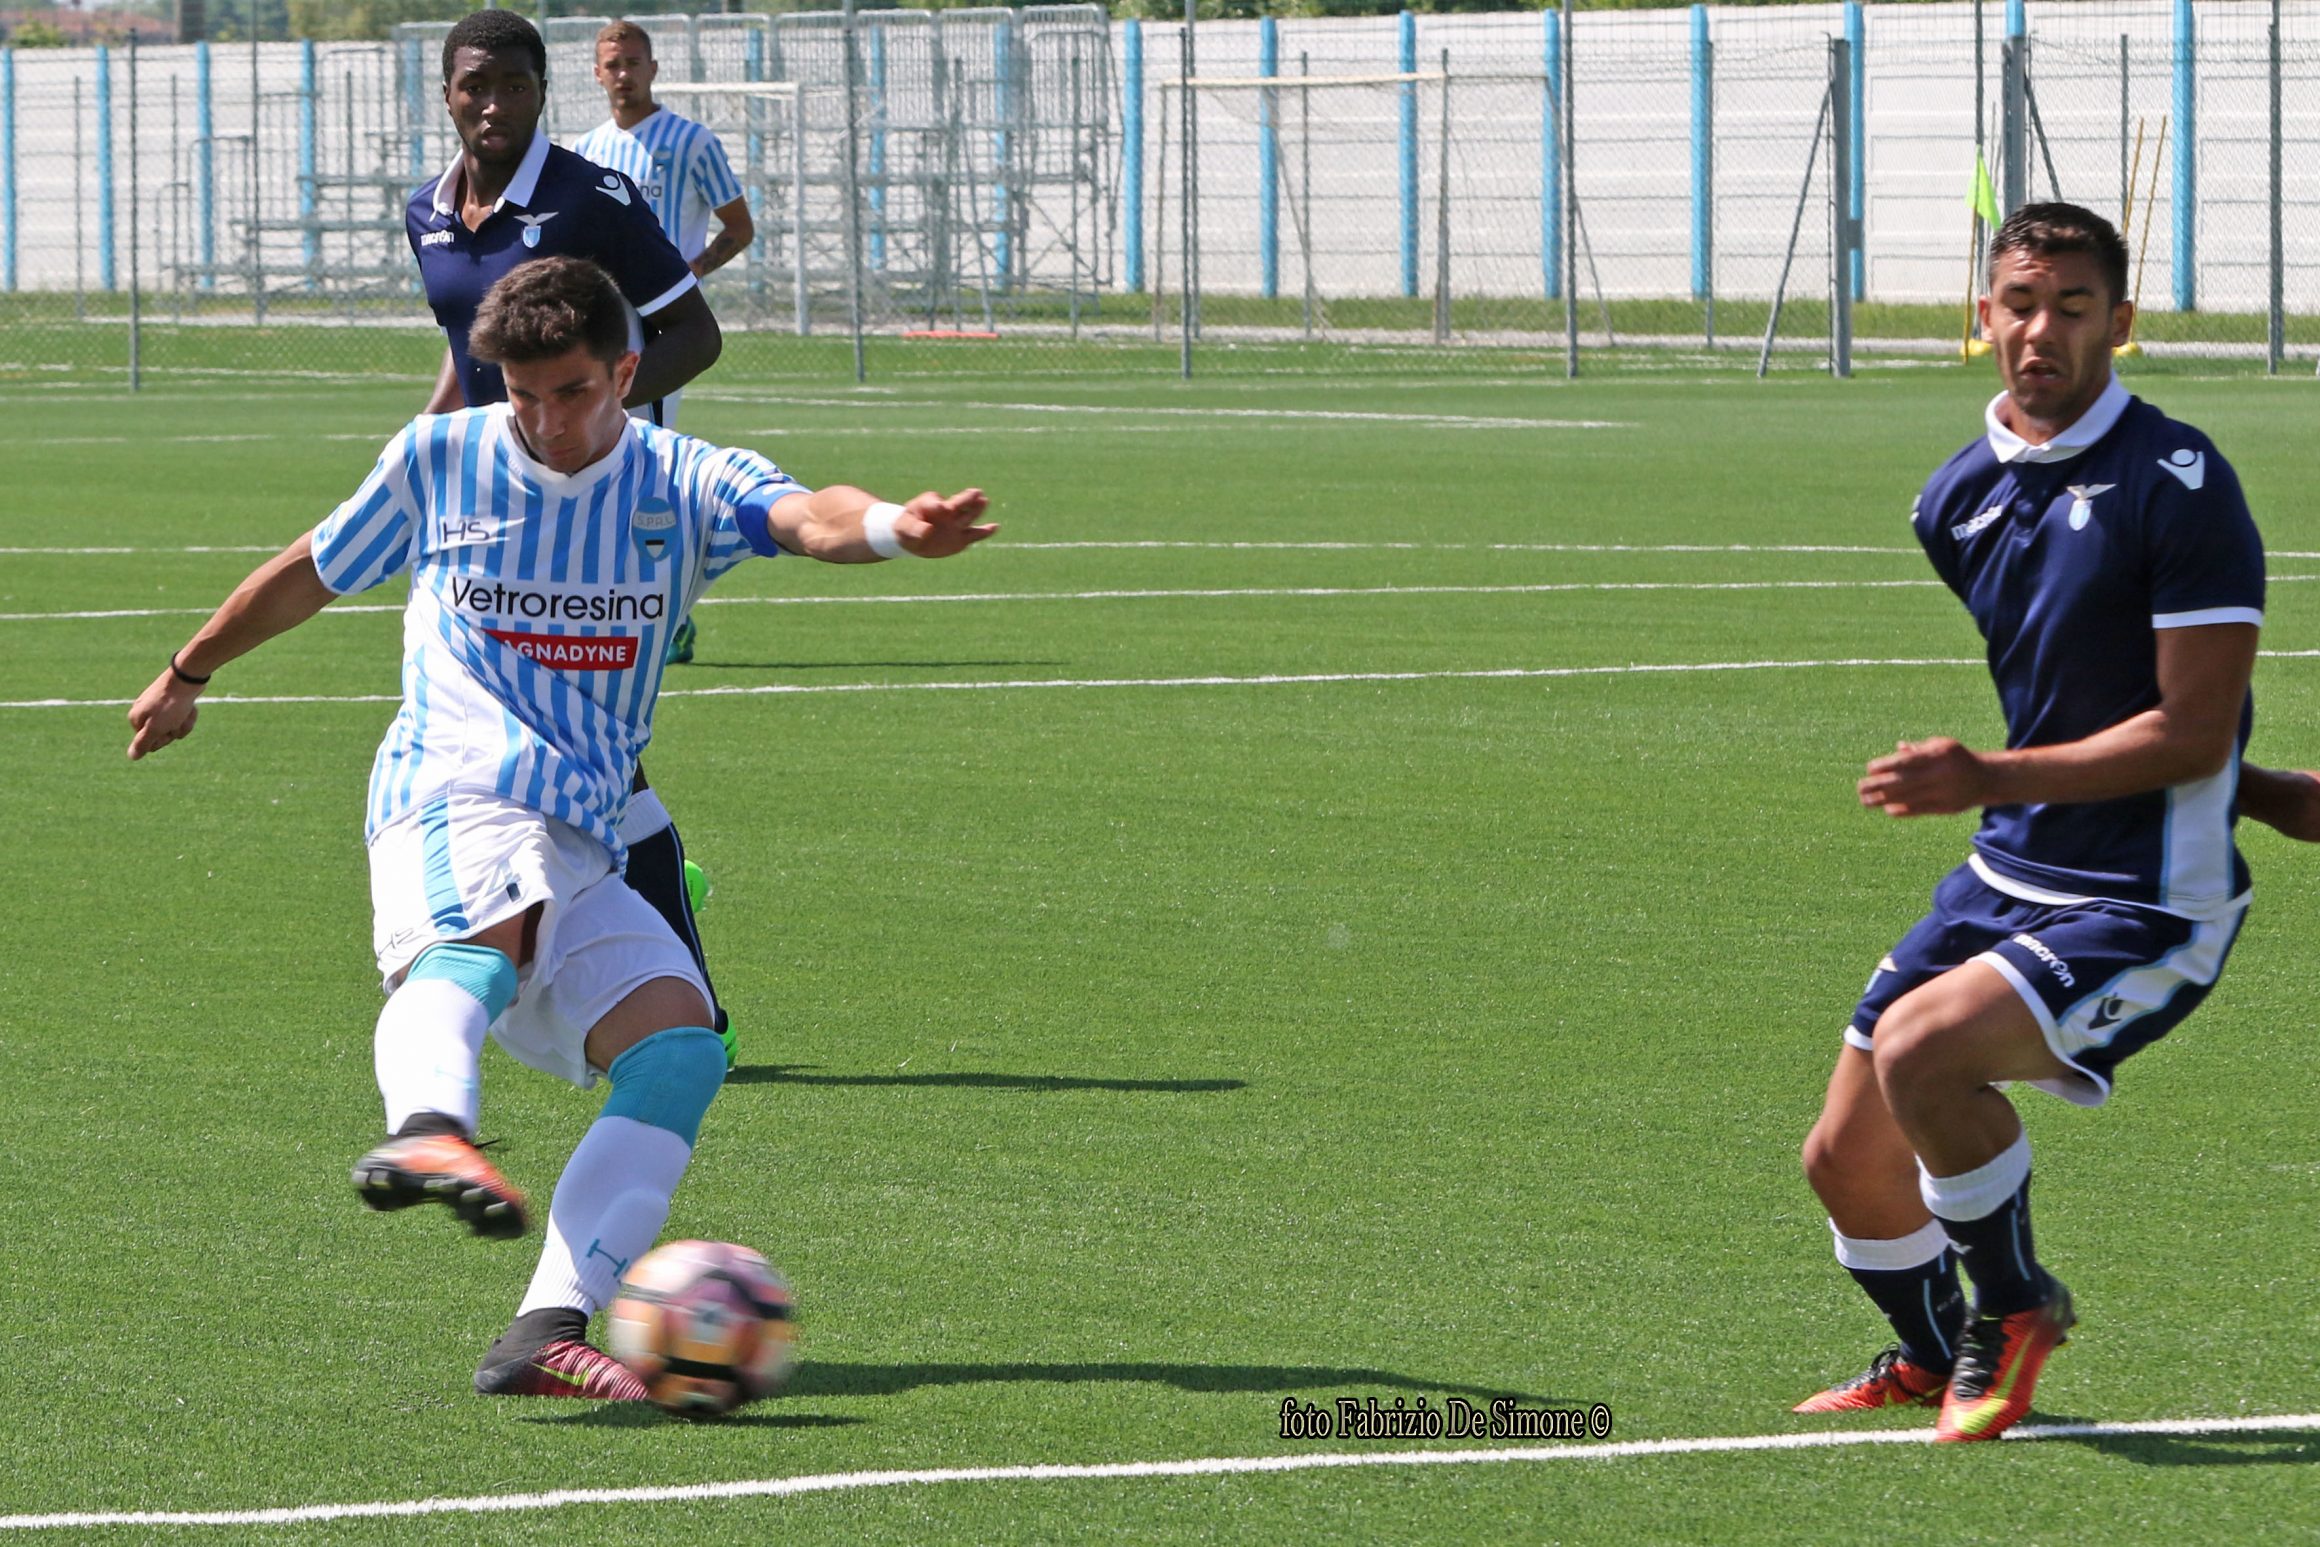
[(551, 542), (679, 164), (2108, 558), (681, 168), (512, 198)]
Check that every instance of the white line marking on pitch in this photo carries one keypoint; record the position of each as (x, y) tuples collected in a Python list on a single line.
[(1237, 546), (1273, 680), (75, 553), (1479, 547), (190, 440), (1218, 593), (1253, 416), (1284, 546), (1212, 593), (1203, 1466), (769, 689), (1132, 411)]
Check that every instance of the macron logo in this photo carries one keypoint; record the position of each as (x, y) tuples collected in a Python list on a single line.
[(2188, 465), (1966, 529), (436, 239), (611, 188), (2037, 947)]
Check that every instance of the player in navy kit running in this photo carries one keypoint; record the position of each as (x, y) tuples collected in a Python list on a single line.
[(2108, 557)]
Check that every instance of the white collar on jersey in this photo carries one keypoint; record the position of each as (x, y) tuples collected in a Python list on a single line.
[(614, 124), (546, 478), (520, 187), (2092, 426)]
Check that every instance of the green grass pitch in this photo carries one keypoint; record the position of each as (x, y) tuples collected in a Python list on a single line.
[(1174, 976)]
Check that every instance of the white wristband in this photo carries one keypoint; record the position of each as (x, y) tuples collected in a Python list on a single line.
[(878, 530)]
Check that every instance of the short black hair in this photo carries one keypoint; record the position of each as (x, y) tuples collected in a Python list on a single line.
[(2047, 229), (492, 31), (546, 308)]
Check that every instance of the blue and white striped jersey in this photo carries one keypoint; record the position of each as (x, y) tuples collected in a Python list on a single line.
[(679, 164), (541, 603)]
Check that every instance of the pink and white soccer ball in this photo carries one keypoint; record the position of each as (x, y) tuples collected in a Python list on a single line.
[(706, 1325)]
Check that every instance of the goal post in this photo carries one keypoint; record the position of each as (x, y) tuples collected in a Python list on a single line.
[(769, 132), (1400, 207)]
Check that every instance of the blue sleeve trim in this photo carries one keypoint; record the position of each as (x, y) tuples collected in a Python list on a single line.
[(751, 517)]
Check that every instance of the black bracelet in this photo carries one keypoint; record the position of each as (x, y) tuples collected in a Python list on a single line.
[(184, 676)]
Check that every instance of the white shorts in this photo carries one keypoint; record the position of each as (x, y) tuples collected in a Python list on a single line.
[(461, 863)]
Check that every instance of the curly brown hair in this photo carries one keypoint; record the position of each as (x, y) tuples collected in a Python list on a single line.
[(549, 307)]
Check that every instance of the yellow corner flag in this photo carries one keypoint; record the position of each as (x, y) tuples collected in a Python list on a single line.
[(1984, 198)]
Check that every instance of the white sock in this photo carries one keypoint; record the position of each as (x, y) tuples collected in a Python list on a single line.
[(1897, 1255), (428, 1052), (609, 1207), (1978, 1193)]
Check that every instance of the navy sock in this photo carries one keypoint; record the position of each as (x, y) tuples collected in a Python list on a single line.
[(419, 1123), (534, 1330), (1997, 1254), (1925, 1304), (656, 872)]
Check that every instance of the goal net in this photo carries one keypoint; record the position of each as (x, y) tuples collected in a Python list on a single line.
[(1408, 207)]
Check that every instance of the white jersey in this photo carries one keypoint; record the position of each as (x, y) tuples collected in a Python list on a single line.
[(679, 164), (541, 603)]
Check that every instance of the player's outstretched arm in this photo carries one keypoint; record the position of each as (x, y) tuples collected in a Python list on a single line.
[(279, 595), (2203, 676), (2287, 799), (845, 525)]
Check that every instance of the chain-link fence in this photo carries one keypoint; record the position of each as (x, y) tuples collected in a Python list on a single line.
[(1047, 189)]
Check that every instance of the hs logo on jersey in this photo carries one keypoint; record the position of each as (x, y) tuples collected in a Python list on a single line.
[(2082, 502), (532, 224)]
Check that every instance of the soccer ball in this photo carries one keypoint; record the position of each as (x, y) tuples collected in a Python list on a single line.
[(706, 1325)]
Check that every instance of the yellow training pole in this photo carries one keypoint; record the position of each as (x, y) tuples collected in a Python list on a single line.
[(2127, 215), (2143, 250)]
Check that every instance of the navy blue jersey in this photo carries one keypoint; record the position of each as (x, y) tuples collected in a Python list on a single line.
[(2071, 557), (557, 205)]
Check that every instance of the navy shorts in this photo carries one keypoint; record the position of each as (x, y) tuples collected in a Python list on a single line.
[(2105, 979)]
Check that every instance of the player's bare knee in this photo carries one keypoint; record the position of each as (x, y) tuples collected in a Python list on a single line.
[(654, 1006), (1911, 1043), (1848, 1165), (1824, 1159)]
